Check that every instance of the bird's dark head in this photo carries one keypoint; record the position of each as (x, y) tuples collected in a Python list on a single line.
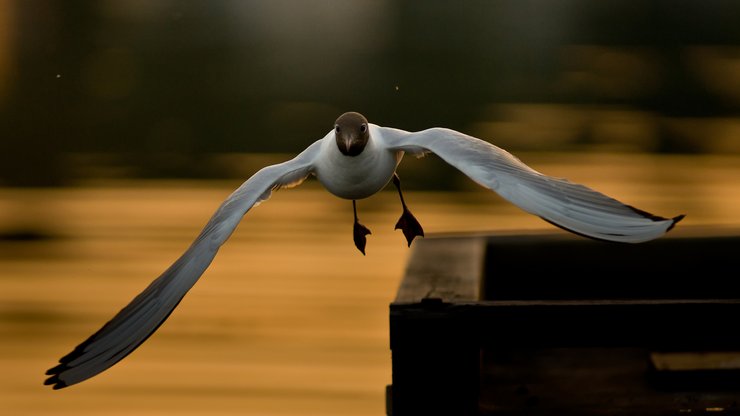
[(352, 133)]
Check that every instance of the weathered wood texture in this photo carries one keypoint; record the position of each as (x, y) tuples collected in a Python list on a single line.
[(449, 269), (435, 360), (539, 298), (595, 381)]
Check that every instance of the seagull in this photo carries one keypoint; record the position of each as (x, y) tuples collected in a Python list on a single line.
[(355, 160)]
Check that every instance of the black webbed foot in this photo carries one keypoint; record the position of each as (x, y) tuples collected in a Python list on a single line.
[(407, 223), (359, 231), (409, 226)]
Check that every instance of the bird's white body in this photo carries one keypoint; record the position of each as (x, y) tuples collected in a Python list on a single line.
[(357, 166), (360, 176)]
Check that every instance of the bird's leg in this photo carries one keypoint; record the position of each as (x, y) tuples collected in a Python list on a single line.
[(359, 232), (407, 223)]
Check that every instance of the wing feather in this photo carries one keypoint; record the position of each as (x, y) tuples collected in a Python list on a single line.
[(148, 310), (571, 206)]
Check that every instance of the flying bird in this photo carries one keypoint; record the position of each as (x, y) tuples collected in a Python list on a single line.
[(354, 161)]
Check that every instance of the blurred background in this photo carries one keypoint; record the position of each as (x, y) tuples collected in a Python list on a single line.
[(123, 125), (167, 88)]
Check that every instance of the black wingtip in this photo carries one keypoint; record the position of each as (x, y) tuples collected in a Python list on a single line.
[(647, 214), (55, 370), (676, 220), (55, 382), (59, 385), (654, 217), (54, 375)]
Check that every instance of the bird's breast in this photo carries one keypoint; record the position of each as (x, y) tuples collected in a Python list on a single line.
[(356, 177)]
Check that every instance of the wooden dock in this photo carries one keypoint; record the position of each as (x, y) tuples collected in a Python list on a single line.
[(547, 324)]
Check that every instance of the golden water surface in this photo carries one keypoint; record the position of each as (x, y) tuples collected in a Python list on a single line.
[(290, 319)]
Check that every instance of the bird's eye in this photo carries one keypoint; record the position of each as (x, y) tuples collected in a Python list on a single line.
[(337, 129), (363, 128)]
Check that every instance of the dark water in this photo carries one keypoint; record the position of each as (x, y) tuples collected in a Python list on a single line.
[(290, 319)]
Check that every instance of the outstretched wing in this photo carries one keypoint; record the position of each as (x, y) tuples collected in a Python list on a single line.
[(571, 206), (147, 311)]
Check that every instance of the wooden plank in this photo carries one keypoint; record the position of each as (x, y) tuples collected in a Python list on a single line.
[(436, 360), (695, 361), (558, 295), (560, 266), (449, 269), (689, 324), (595, 381)]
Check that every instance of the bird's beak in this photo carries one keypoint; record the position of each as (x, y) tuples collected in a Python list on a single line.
[(348, 142)]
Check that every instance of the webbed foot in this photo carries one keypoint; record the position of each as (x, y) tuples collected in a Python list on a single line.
[(409, 226), (359, 233), (407, 223)]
